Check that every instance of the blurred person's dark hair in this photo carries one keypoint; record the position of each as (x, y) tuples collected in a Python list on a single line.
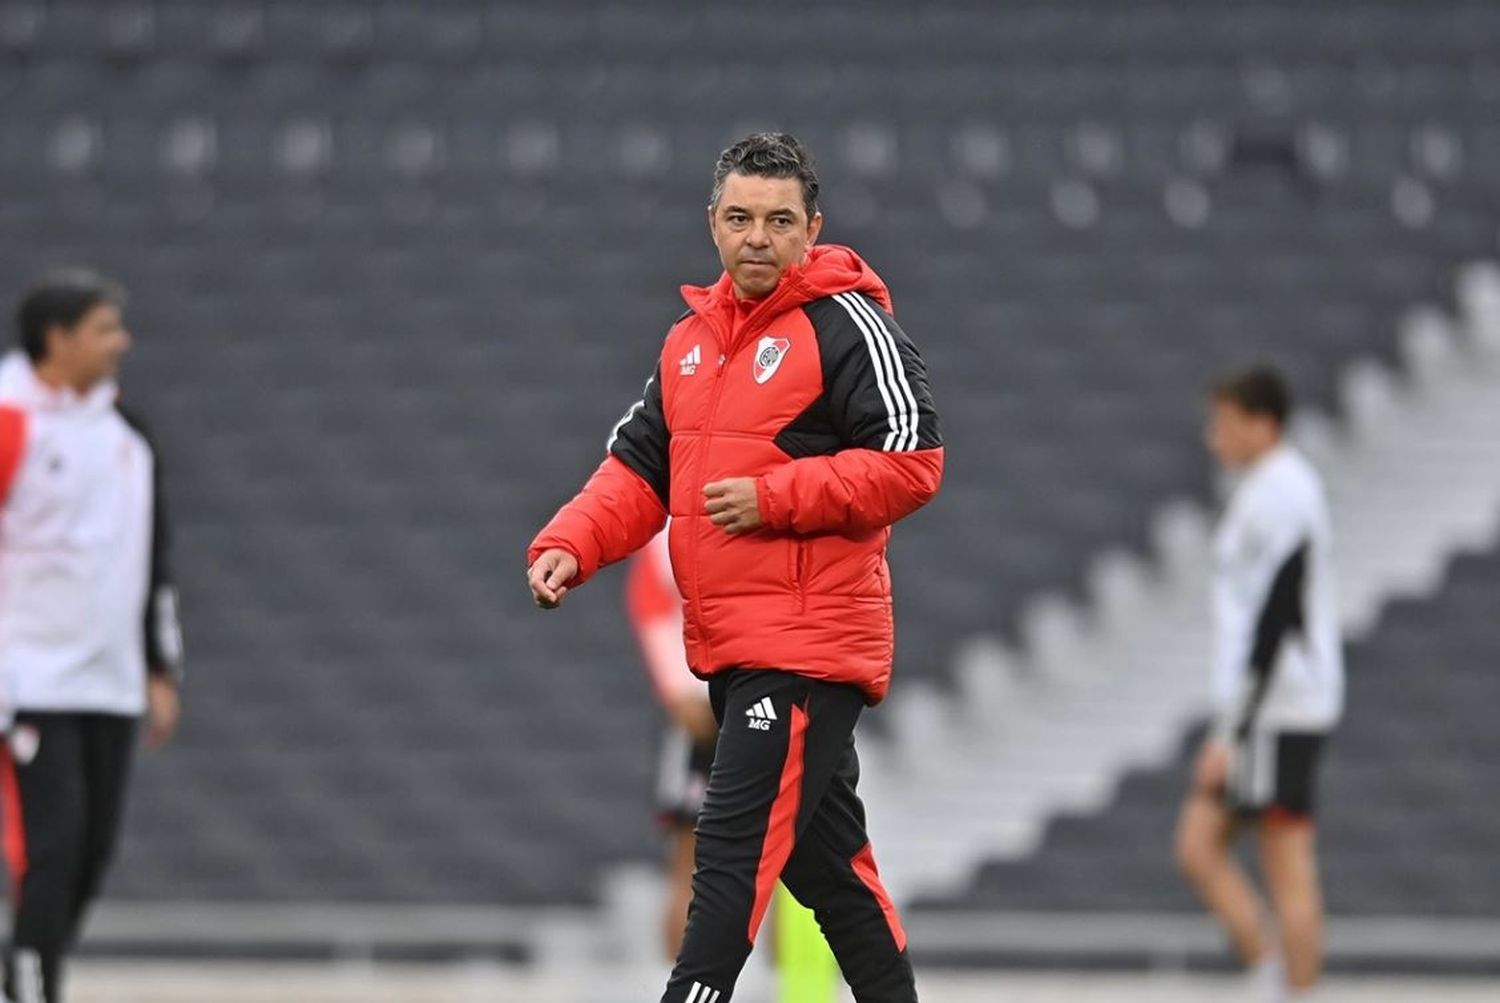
[(769, 155), (1256, 390), (61, 299)]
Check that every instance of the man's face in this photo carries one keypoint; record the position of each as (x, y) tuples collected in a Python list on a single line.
[(90, 351), (1237, 437), (761, 229)]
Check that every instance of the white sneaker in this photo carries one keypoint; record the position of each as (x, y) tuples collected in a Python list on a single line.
[(1266, 982)]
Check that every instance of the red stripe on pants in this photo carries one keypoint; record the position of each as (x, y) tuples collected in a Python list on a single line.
[(1279, 815), (781, 833), (864, 866), (15, 826)]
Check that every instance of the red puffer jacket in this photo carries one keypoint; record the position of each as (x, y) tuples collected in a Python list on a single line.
[(816, 393)]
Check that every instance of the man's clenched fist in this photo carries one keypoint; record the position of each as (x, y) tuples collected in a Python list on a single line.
[(549, 575)]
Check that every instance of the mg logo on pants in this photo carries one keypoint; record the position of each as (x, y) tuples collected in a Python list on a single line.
[(761, 714)]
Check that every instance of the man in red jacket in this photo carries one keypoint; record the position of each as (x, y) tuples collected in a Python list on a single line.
[(788, 425)]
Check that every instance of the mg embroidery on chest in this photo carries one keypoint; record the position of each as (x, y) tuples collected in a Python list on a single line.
[(691, 361), (768, 355)]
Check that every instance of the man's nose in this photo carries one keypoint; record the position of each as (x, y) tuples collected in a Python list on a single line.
[(758, 236)]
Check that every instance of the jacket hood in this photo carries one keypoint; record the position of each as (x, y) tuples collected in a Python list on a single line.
[(828, 270), (19, 384)]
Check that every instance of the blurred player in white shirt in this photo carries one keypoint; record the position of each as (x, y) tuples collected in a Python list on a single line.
[(1278, 688)]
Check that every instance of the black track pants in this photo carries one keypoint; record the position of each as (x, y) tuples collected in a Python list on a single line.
[(62, 787), (781, 803)]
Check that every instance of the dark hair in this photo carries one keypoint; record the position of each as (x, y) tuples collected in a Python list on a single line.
[(769, 155), (61, 299), (1258, 390)]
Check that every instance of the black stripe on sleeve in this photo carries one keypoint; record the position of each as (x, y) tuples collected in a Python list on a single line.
[(874, 380), (641, 440), (163, 629), (1283, 615)]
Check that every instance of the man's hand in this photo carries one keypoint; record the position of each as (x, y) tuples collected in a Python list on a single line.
[(732, 504), (549, 575), (163, 710), (1211, 772)]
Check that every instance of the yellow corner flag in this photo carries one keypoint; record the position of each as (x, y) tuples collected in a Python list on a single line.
[(806, 971)]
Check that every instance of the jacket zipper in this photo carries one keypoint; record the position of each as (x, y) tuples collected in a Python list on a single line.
[(733, 340), (801, 569), (708, 425)]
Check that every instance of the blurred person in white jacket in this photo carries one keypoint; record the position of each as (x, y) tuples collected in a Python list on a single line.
[(89, 640), (1278, 687)]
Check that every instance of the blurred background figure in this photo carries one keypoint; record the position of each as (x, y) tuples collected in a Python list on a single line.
[(1278, 688), (89, 640), (687, 748)]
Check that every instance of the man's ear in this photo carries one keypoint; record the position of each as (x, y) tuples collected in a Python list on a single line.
[(814, 227), (52, 340)]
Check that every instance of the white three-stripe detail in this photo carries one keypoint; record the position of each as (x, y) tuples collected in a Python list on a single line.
[(893, 418), (896, 367), (614, 433), (895, 389)]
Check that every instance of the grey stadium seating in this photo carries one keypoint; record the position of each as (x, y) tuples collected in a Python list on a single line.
[(398, 267), (1401, 833)]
